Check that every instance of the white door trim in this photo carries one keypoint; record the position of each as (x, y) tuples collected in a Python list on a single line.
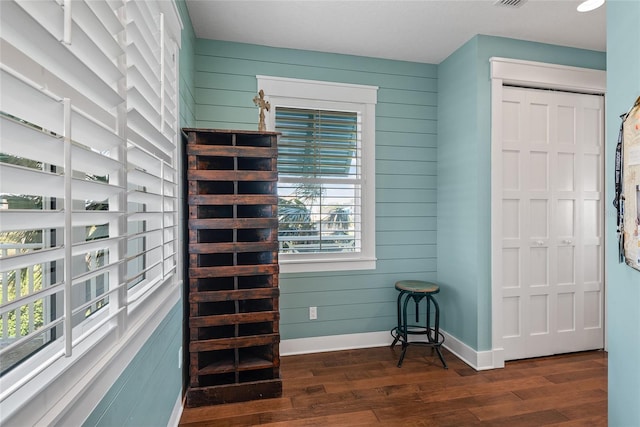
[(534, 75)]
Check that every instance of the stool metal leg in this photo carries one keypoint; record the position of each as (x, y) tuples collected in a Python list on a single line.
[(437, 330), (404, 328), (428, 321), (398, 325)]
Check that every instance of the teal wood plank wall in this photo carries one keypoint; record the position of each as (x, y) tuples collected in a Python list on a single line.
[(406, 113), (146, 392), (623, 295), (464, 176)]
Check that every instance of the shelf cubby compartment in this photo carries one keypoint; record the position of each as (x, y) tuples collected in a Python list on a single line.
[(255, 258), (255, 187), (257, 235), (254, 140), (211, 332), (211, 284), (254, 305), (214, 211), (208, 380), (255, 211), (214, 236), (215, 162), (215, 308), (214, 187), (255, 163), (247, 329), (255, 375), (215, 260), (213, 138), (259, 281)]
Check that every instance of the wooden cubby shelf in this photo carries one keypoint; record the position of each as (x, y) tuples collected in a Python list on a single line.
[(232, 292)]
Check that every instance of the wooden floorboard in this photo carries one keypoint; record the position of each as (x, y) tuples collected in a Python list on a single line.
[(365, 388)]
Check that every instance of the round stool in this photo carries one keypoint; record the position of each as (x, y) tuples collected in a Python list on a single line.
[(417, 290)]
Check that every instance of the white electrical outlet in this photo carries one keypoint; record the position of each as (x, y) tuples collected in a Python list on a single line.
[(313, 313), (180, 358)]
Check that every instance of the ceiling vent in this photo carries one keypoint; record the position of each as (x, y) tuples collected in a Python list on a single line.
[(509, 3)]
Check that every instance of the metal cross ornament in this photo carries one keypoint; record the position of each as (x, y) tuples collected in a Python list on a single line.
[(263, 105)]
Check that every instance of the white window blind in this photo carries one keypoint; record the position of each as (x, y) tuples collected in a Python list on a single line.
[(88, 171), (319, 180)]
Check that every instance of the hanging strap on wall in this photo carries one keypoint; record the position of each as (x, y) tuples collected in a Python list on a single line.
[(618, 201)]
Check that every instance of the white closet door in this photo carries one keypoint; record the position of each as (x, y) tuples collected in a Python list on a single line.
[(552, 230)]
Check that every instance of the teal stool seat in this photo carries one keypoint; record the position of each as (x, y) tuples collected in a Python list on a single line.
[(417, 290)]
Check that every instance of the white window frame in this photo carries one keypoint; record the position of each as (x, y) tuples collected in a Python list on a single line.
[(320, 95), (80, 367)]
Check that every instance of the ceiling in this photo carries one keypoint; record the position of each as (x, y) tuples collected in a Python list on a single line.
[(411, 30)]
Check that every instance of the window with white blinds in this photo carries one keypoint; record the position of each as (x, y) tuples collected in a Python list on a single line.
[(326, 173), (88, 171), (319, 180)]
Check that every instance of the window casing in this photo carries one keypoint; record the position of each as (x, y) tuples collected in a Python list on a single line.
[(326, 173)]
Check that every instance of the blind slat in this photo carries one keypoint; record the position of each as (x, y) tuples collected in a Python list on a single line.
[(99, 164), (137, 140), (106, 15), (42, 146), (83, 247), (30, 298), (143, 160), (17, 98), (144, 179), (22, 180), (84, 218), (46, 148), (94, 190), (92, 134), (159, 143), (15, 219), (136, 80), (31, 258), (150, 199), (136, 101)]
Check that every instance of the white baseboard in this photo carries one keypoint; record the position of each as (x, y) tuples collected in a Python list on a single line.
[(176, 413), (478, 360), (335, 343)]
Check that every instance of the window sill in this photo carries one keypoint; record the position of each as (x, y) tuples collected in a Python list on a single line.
[(326, 264)]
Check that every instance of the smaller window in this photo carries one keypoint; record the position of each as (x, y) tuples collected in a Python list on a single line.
[(319, 181), (326, 160)]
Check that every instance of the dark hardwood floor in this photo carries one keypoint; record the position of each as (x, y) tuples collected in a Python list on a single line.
[(365, 388)]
